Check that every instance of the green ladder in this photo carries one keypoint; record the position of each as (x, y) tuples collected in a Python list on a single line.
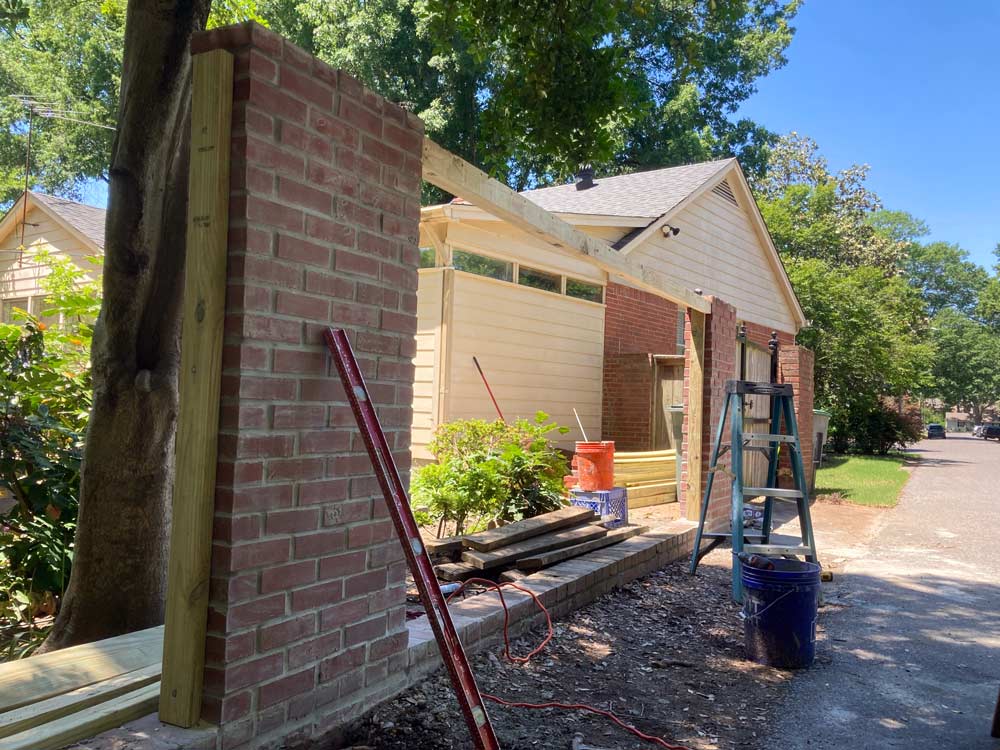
[(770, 443)]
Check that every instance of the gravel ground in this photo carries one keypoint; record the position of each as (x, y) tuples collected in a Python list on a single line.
[(664, 653)]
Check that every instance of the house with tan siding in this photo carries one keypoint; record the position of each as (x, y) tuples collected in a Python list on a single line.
[(37, 224), (554, 332)]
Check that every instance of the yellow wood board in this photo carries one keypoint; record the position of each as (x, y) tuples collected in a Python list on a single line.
[(38, 678), (84, 724), (35, 714), (200, 381), (696, 390)]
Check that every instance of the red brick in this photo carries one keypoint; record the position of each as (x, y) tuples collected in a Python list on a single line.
[(332, 490), (364, 583), (291, 191), (298, 415), (359, 116), (292, 521), (323, 442), (314, 649), (247, 499), (259, 554), (340, 566), (256, 612), (295, 469), (320, 595), (367, 630), (306, 87), (329, 284), (330, 231), (339, 131), (302, 251), (301, 305), (253, 672), (325, 542), (341, 663), (283, 633)]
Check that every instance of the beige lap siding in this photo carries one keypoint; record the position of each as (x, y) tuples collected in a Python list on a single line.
[(540, 351)]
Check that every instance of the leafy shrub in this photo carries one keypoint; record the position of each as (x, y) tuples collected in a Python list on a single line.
[(490, 471), (878, 431), (45, 395)]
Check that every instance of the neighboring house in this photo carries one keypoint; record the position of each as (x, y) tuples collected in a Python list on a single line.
[(957, 421), (54, 225), (554, 332)]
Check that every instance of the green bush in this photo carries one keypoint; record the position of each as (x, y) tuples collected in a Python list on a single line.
[(878, 431), (490, 471), (45, 393)]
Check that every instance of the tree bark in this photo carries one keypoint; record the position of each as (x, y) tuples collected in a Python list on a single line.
[(119, 566)]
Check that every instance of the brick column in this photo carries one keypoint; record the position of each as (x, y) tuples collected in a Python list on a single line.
[(628, 401), (720, 366), (796, 365), (306, 622)]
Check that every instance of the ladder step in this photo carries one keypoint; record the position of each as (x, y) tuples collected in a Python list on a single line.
[(777, 549), (775, 492), (769, 438), (729, 535)]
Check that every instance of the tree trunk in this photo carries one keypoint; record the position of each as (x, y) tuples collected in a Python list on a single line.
[(119, 565)]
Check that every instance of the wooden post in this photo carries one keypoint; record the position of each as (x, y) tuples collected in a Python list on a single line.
[(443, 365), (696, 408), (200, 380)]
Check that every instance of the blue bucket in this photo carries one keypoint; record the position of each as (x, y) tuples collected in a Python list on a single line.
[(779, 613)]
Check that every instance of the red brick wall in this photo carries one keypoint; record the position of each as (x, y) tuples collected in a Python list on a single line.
[(306, 623), (636, 324), (720, 366), (796, 367)]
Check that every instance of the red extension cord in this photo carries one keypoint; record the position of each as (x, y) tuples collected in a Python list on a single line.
[(537, 650)]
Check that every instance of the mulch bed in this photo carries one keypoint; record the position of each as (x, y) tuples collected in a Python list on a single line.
[(664, 653)]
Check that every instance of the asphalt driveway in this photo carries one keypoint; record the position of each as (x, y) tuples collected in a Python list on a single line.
[(911, 651)]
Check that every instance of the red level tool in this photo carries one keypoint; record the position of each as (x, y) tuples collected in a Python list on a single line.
[(396, 500)]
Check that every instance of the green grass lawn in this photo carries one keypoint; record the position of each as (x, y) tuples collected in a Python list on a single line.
[(864, 480)]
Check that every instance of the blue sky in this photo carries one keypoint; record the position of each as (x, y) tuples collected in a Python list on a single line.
[(911, 88)]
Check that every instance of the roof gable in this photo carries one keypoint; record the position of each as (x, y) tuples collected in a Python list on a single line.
[(650, 194), (83, 221)]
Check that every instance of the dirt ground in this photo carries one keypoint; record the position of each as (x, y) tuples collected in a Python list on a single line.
[(664, 653)]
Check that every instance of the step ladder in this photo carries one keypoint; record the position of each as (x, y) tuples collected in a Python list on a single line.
[(772, 444)]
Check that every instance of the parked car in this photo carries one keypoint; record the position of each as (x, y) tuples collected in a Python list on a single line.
[(977, 431), (991, 431), (935, 431)]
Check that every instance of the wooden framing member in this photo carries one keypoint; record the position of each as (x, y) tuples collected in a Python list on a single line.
[(200, 382), (696, 408), (454, 174)]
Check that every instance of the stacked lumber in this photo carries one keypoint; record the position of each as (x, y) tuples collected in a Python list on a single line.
[(528, 545), (56, 699), (649, 476)]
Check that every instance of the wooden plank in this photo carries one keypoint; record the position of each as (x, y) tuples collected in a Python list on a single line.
[(58, 706), (695, 408), (38, 678), (84, 724), (200, 378), (643, 455), (448, 545), (456, 571), (457, 176), (551, 558), (646, 502), (486, 541), (534, 546)]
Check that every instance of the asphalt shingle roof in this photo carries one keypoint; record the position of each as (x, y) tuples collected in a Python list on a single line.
[(88, 220), (648, 194)]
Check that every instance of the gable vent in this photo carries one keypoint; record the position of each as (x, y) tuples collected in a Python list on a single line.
[(724, 191)]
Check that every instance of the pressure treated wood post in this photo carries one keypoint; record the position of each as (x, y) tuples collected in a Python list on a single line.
[(200, 378), (696, 408)]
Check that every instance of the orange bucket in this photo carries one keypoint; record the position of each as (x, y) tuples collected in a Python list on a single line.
[(595, 465)]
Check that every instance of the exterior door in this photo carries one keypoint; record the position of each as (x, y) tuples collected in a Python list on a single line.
[(668, 407), (757, 414)]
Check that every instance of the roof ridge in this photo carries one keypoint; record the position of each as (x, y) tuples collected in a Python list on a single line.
[(38, 194)]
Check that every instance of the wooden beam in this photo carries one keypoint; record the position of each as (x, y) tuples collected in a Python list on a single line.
[(454, 174), (40, 677), (487, 541), (551, 558), (35, 714), (696, 401), (200, 380), (84, 724), (536, 545)]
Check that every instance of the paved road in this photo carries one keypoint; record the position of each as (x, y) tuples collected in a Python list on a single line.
[(911, 657)]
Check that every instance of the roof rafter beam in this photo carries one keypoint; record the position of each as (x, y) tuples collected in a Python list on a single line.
[(454, 174)]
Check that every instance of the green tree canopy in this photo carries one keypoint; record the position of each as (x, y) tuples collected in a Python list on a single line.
[(813, 213), (967, 366), (945, 276)]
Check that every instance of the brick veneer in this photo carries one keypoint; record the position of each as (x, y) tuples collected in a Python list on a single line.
[(796, 367), (306, 622), (637, 325)]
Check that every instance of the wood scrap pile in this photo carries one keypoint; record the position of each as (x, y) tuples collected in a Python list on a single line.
[(526, 546)]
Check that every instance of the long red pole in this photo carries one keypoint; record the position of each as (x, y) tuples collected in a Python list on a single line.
[(488, 389), (452, 653)]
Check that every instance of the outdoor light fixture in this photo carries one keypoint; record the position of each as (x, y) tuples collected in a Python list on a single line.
[(669, 230)]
